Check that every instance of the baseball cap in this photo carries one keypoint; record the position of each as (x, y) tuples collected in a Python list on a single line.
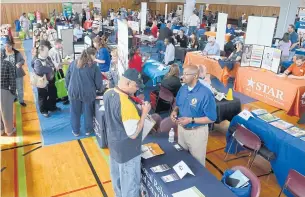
[(133, 75)]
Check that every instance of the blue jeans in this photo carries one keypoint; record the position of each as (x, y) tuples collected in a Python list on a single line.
[(160, 47), (19, 87), (77, 107), (192, 29), (291, 54), (126, 177)]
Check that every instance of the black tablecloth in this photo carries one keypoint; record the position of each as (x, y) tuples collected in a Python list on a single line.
[(226, 110), (180, 52), (205, 182)]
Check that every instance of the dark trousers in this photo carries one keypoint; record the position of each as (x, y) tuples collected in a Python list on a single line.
[(47, 98), (76, 109)]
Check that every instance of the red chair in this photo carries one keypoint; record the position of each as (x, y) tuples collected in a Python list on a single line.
[(295, 183), (255, 182), (157, 118), (166, 125), (248, 140), (167, 97)]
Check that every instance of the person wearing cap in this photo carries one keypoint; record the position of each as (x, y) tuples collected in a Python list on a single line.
[(83, 79), (212, 48), (196, 108), (124, 123)]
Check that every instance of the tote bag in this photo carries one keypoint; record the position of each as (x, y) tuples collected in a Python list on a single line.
[(60, 86)]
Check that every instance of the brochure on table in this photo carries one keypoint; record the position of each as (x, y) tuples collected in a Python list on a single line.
[(151, 150), (191, 192)]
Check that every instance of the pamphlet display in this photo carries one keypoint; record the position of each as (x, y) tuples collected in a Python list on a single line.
[(271, 59), (191, 192), (268, 117), (257, 56), (246, 55), (151, 150)]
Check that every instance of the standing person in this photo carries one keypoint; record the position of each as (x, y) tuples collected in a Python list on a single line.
[(135, 61), (284, 46), (15, 58), (154, 29), (294, 39), (8, 91), (83, 17), (193, 22), (102, 56), (43, 65), (169, 55), (82, 80), (25, 24), (163, 33), (124, 123), (196, 108)]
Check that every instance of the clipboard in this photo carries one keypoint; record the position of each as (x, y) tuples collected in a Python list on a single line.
[(149, 123)]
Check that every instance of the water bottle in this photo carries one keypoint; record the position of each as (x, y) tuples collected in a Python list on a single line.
[(171, 136)]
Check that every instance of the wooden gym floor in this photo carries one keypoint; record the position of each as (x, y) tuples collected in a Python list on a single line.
[(65, 170)]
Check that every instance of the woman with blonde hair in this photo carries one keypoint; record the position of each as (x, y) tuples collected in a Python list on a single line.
[(102, 56), (82, 80), (171, 80)]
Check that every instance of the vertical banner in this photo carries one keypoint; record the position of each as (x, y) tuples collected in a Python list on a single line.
[(122, 47), (221, 29), (67, 9), (201, 9), (188, 10), (143, 16), (165, 12)]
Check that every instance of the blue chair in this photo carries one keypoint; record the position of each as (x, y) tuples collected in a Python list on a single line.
[(200, 33)]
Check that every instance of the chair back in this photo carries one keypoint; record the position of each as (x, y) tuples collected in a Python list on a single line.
[(255, 182), (166, 95), (295, 183), (247, 138), (157, 118), (167, 124)]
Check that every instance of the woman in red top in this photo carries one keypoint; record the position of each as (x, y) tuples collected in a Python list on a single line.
[(154, 29), (135, 62)]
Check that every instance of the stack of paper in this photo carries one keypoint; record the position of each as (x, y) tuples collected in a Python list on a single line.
[(282, 124), (302, 138), (295, 131), (243, 180), (160, 168), (268, 117), (161, 67), (191, 192), (259, 112), (151, 150)]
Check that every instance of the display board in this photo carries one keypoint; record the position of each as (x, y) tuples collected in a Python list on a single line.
[(59, 29), (260, 30), (134, 25), (67, 42), (67, 9), (143, 16), (166, 12), (272, 59), (221, 30), (122, 47)]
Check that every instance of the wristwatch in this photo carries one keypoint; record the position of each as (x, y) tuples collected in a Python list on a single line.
[(193, 120)]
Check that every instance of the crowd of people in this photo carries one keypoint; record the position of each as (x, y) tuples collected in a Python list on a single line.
[(195, 104)]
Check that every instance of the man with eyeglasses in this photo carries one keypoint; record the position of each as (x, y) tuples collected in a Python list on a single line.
[(212, 48), (196, 108), (124, 123)]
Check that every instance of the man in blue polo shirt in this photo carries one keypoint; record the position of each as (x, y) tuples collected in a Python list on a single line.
[(294, 39), (195, 109)]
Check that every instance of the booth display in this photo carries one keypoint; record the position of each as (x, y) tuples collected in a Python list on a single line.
[(67, 42)]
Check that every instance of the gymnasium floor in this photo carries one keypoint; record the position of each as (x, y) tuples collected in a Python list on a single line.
[(65, 170)]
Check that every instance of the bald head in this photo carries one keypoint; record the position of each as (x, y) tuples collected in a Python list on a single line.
[(202, 70), (191, 69)]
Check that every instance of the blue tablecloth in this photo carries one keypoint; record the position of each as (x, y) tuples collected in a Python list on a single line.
[(286, 64), (299, 52), (205, 182), (289, 150), (150, 69)]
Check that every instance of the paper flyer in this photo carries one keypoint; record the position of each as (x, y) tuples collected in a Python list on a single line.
[(259, 112), (151, 150), (295, 131), (268, 117), (281, 124), (191, 192), (160, 168), (170, 178), (267, 58), (257, 56), (246, 55), (182, 169)]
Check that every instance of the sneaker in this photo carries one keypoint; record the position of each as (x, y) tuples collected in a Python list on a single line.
[(75, 134), (12, 133), (89, 133), (55, 110), (23, 104), (45, 114), (67, 102)]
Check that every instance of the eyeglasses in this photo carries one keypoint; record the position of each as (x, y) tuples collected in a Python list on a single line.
[(186, 74)]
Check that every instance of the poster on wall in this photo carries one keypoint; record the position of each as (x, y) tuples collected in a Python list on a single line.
[(221, 29), (122, 47), (257, 56), (271, 59), (143, 16), (246, 55), (67, 9)]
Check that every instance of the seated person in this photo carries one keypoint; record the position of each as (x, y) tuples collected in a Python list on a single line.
[(182, 39), (194, 41), (106, 21), (203, 40), (78, 33), (136, 62), (95, 32), (230, 29), (297, 69), (204, 78), (212, 48), (229, 46), (171, 80), (236, 54)]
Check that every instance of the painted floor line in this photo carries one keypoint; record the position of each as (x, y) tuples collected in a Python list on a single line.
[(14, 147), (215, 150), (73, 191), (105, 182)]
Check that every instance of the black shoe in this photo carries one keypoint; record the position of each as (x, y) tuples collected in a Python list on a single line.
[(66, 102), (23, 104), (55, 109)]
